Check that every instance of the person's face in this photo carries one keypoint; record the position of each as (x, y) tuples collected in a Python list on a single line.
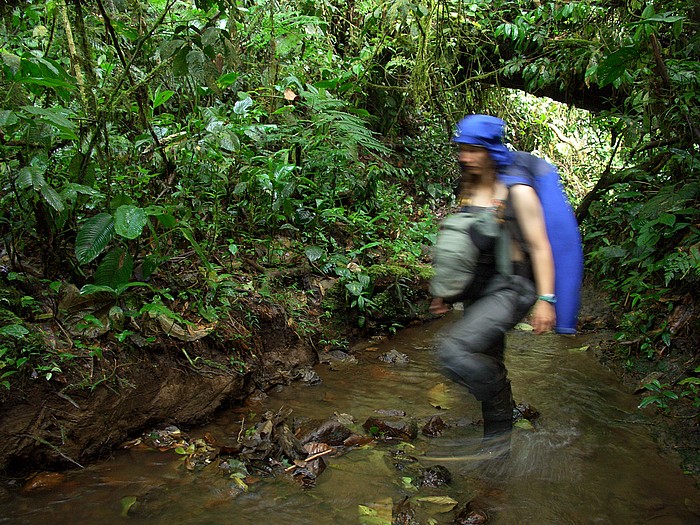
[(475, 159)]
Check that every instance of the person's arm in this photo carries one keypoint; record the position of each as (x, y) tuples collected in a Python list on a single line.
[(528, 211)]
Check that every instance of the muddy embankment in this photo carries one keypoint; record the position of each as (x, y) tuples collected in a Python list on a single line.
[(95, 404)]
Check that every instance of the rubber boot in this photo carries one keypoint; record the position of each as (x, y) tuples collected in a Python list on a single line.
[(498, 422)]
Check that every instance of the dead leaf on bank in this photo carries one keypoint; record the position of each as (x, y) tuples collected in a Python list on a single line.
[(192, 333)]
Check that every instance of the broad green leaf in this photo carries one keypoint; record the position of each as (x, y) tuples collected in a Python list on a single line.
[(180, 63), (354, 287), (126, 503), (14, 330), (8, 118), (615, 65), (93, 237), (56, 117), (95, 288), (524, 424), (129, 221), (52, 197), (161, 97), (30, 176), (242, 106), (169, 48), (167, 220), (115, 268), (669, 219), (227, 80), (314, 253)]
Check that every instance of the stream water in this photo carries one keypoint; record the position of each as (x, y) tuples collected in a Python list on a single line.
[(589, 459)]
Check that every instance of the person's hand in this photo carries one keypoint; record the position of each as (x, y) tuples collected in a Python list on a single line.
[(543, 317), (438, 306)]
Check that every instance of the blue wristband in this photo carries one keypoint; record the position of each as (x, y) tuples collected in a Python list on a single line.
[(549, 298)]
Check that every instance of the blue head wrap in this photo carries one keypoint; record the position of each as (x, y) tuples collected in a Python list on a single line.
[(485, 131)]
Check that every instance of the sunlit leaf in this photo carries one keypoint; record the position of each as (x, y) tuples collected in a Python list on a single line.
[(524, 424), (241, 107), (378, 513), (161, 97), (129, 221), (227, 80), (240, 484)]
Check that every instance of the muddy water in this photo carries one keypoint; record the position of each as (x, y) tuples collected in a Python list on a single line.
[(590, 458)]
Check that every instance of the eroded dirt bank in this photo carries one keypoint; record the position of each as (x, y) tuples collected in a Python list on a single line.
[(77, 417)]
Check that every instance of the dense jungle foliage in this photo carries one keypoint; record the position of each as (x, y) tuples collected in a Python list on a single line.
[(170, 157)]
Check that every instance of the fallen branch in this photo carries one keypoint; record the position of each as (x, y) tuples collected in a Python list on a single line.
[(311, 458)]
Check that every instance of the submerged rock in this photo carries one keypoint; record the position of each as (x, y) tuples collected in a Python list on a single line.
[(434, 427), (391, 428), (525, 411), (394, 357), (404, 514), (330, 432), (472, 514), (435, 476)]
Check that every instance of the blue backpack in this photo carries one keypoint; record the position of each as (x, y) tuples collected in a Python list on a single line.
[(562, 230)]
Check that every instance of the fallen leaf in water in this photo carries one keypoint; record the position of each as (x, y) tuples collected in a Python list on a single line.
[(438, 396), (377, 513), (524, 424), (440, 500), (583, 348), (445, 503), (127, 502)]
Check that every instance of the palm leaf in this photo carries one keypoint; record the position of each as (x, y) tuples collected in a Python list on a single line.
[(93, 237)]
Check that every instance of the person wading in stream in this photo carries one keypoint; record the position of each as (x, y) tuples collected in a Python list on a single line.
[(472, 350)]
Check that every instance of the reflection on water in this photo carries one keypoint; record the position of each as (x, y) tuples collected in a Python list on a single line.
[(590, 458)]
